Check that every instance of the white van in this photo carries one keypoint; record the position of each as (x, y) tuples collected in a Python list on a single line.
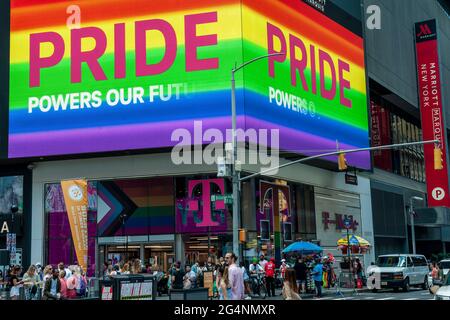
[(402, 271)]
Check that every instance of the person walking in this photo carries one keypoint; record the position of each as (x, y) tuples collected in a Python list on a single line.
[(31, 281), (224, 285), (62, 279), (177, 277), (435, 271), (290, 289), (283, 268), (300, 275), (14, 283), (270, 277), (317, 274), (262, 261), (236, 277), (246, 278), (52, 287)]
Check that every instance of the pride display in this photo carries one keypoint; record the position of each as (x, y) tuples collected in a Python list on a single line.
[(103, 75)]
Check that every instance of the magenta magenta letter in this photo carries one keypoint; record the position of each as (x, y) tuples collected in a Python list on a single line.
[(90, 57), (144, 69), (273, 31), (193, 41), (119, 51), (36, 61), (297, 64), (344, 83), (331, 93)]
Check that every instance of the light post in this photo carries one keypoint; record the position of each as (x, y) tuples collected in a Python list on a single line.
[(411, 212), (236, 173)]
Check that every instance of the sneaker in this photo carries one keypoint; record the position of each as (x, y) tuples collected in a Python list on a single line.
[(248, 298)]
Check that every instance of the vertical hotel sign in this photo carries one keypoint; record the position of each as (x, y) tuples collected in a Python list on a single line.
[(75, 197), (431, 110)]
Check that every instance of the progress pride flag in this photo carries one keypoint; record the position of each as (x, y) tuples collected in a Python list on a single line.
[(431, 111)]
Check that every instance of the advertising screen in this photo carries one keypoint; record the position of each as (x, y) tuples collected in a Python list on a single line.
[(315, 91), (100, 76)]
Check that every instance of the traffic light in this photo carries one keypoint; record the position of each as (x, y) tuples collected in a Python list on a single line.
[(342, 162), (438, 159), (242, 235)]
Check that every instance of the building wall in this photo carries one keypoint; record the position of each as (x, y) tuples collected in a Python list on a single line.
[(390, 51), (161, 165)]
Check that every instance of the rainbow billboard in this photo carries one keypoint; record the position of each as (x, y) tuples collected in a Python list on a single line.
[(99, 76)]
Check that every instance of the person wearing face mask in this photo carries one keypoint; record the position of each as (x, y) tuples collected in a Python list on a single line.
[(52, 287)]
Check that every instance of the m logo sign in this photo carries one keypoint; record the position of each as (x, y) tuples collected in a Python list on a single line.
[(424, 30)]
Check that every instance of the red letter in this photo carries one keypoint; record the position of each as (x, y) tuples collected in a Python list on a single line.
[(90, 57), (119, 51), (144, 69), (296, 64), (36, 62), (327, 94), (344, 83), (192, 41), (272, 32)]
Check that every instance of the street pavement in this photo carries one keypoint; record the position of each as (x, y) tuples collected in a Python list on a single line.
[(383, 295)]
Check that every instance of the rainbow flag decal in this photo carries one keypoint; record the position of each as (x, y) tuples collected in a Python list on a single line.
[(100, 76)]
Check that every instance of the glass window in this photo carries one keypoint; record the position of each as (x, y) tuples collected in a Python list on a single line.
[(11, 194), (388, 261)]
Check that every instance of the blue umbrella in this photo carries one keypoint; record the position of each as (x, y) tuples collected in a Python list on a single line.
[(303, 247)]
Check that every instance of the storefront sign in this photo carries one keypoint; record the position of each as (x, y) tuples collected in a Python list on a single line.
[(340, 222), (333, 207), (127, 78), (199, 213), (75, 198), (208, 280), (351, 179), (10, 224), (431, 110)]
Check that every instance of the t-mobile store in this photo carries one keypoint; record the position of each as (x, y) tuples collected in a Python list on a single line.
[(156, 80)]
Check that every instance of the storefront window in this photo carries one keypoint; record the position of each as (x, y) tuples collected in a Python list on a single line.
[(11, 194), (391, 127)]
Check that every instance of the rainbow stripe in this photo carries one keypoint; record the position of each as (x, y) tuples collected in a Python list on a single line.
[(241, 32)]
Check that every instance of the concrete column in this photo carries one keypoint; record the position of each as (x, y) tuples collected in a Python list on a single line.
[(142, 253), (179, 249)]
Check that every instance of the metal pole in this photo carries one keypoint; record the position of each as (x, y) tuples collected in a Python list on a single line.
[(235, 177), (413, 233), (334, 153)]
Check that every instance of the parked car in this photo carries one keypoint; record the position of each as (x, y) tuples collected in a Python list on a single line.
[(401, 271)]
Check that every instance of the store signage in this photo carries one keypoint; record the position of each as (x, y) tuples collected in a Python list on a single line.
[(351, 179), (431, 110), (76, 200), (128, 78), (341, 222), (203, 212), (8, 224)]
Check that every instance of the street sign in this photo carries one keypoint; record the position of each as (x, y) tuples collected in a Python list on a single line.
[(228, 198), (351, 179), (347, 223)]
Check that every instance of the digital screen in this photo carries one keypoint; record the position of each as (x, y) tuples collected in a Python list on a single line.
[(101, 76)]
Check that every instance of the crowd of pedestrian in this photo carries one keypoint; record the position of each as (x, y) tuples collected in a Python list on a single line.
[(47, 283)]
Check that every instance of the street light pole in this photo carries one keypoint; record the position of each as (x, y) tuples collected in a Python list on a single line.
[(235, 173), (413, 232)]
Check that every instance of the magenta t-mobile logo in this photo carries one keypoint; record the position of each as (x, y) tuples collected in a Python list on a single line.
[(194, 205)]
